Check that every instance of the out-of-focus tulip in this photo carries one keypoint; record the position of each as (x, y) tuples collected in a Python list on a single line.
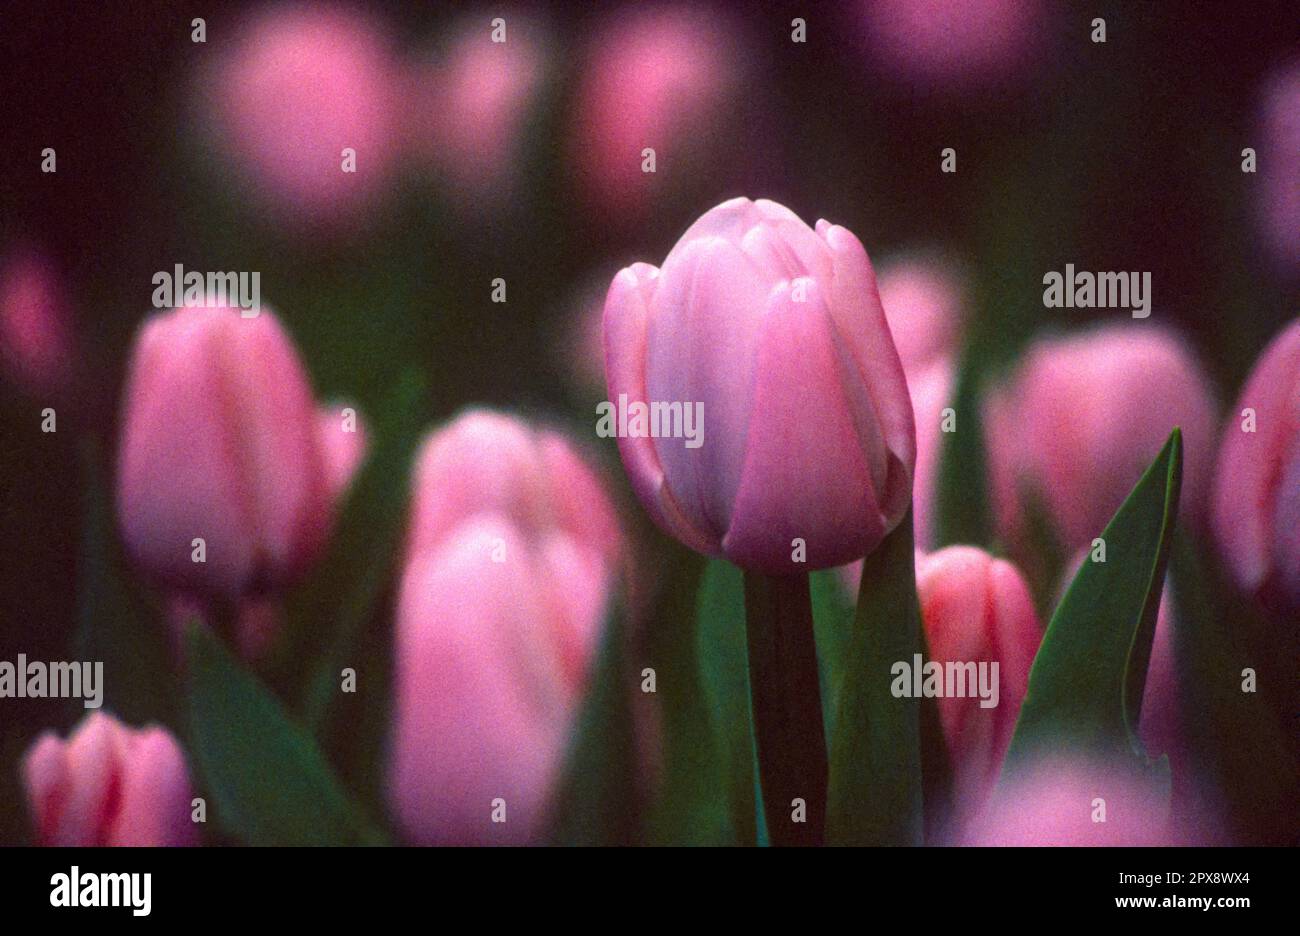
[(1257, 488), (940, 45), (343, 446), (298, 85), (977, 609), (665, 79), (220, 442), (511, 558), (1279, 165), (1083, 418), (34, 339), (108, 784), (1073, 803), (469, 108), (776, 334)]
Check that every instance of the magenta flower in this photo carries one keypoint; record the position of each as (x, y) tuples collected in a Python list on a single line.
[(35, 343)]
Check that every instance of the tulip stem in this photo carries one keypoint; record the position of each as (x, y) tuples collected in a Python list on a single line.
[(786, 702)]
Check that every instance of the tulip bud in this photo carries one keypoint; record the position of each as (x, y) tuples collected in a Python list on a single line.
[(775, 334), (977, 609), (343, 446), (1083, 418), (220, 443), (34, 340), (510, 562), (109, 785), (1279, 166), (1257, 488)]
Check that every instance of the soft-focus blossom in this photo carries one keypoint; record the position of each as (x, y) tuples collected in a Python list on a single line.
[(664, 78), (35, 343), (469, 108), (220, 442), (977, 609), (1082, 419), (109, 784), (511, 559), (1279, 165), (298, 84), (777, 332), (1069, 802), (947, 46), (1257, 487), (343, 443)]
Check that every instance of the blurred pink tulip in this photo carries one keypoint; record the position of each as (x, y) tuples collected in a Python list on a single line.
[(34, 339), (660, 78), (1257, 488), (1082, 419), (939, 44), (511, 559), (220, 442), (976, 608), (776, 331), (298, 85), (1278, 157), (469, 109), (343, 444), (1073, 803), (109, 785)]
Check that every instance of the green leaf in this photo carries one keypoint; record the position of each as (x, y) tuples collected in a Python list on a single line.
[(1085, 687), (962, 513), (833, 625), (601, 795), (875, 790), (724, 678), (268, 781)]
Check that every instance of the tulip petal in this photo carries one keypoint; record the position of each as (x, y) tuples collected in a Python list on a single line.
[(155, 793)]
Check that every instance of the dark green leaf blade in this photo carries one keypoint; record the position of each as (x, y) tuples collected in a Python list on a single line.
[(266, 776)]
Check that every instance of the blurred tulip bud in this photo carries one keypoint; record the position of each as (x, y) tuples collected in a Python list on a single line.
[(511, 559), (220, 443), (34, 340), (1073, 803), (1279, 165), (1257, 488), (343, 446), (1083, 418), (774, 333), (298, 89), (661, 79), (109, 785), (977, 609), (469, 108)]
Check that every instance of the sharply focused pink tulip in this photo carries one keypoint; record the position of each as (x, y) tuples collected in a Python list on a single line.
[(220, 442), (108, 784), (662, 78), (978, 609), (34, 341), (297, 86), (469, 108), (1257, 488), (511, 560), (1072, 803), (775, 334), (1083, 418), (1278, 157)]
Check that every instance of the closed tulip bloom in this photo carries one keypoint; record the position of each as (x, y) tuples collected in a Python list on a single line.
[(1083, 418), (35, 343), (776, 331), (1257, 488), (109, 784), (977, 609), (510, 563), (220, 442)]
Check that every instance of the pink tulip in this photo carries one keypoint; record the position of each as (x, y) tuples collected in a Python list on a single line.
[(109, 785), (778, 333), (510, 562), (1073, 803), (1257, 488), (1278, 157), (220, 442), (923, 307), (1083, 418), (298, 85), (976, 608), (35, 345), (343, 443), (661, 78), (469, 108)]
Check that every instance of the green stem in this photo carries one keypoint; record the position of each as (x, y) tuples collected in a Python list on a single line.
[(786, 702)]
